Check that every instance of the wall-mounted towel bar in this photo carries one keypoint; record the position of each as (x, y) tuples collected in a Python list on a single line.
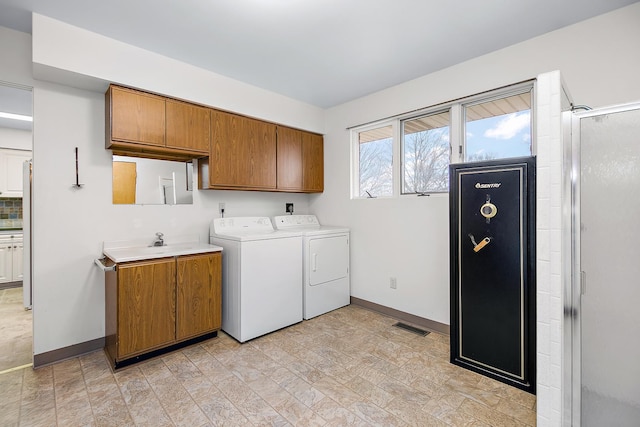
[(100, 263)]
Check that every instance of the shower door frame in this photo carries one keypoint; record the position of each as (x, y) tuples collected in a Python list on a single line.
[(575, 282)]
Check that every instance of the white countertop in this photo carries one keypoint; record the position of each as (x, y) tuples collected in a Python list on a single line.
[(137, 250)]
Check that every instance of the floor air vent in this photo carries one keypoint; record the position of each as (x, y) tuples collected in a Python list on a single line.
[(411, 329)]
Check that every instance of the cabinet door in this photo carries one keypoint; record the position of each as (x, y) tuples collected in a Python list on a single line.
[(146, 306), (188, 126), (261, 150), (137, 117), (243, 153), (18, 258), (312, 162), (289, 155), (11, 172), (226, 149), (6, 262), (198, 307)]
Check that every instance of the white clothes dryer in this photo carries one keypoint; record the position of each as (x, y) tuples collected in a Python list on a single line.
[(261, 276), (325, 249)]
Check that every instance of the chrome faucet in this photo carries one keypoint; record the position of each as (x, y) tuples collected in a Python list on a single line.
[(159, 240)]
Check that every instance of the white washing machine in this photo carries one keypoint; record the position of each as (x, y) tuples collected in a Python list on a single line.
[(261, 276), (325, 249)]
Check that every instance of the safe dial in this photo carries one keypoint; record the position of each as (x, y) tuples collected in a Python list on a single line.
[(488, 210)]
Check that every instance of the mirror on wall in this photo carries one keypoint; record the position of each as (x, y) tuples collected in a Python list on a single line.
[(141, 181)]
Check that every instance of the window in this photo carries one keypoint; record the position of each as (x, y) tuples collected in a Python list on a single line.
[(498, 128), (425, 154), (410, 154), (375, 162)]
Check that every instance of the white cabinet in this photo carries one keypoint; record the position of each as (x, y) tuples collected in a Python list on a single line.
[(11, 257), (11, 164)]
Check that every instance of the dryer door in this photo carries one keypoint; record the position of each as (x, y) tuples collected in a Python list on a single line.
[(328, 259)]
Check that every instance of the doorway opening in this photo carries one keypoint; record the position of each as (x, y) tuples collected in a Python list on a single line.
[(16, 148)]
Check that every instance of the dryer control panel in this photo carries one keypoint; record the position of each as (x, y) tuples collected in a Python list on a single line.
[(288, 221)]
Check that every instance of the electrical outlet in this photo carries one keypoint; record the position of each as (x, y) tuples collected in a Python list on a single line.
[(289, 208), (393, 284), (221, 207)]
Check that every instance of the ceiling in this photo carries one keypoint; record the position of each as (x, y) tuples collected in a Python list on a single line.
[(322, 52)]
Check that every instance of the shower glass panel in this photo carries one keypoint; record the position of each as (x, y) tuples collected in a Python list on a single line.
[(609, 259)]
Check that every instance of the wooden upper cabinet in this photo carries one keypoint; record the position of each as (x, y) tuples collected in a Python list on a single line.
[(153, 126), (261, 138), (243, 153), (300, 161), (188, 126), (289, 159), (312, 162), (224, 159), (137, 117)]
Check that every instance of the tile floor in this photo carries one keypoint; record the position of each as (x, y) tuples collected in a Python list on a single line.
[(16, 330), (347, 367)]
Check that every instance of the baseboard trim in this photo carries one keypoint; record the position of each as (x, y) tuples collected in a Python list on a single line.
[(55, 356), (11, 285), (428, 324)]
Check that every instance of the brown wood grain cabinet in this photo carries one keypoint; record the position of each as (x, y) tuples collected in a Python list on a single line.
[(235, 152), (147, 125), (136, 117), (199, 295), (146, 306), (243, 154), (188, 126), (312, 162), (289, 159), (155, 304), (300, 161)]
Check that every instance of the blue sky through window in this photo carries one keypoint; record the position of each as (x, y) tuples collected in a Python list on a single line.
[(508, 135)]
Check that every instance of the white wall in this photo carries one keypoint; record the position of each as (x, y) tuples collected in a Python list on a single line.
[(549, 182), (408, 237), (70, 224), (416, 227), (80, 58), (17, 139)]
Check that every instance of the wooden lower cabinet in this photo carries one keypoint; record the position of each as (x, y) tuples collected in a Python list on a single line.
[(156, 304), (199, 295), (146, 306)]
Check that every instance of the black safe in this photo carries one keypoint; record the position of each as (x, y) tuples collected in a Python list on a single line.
[(493, 287)]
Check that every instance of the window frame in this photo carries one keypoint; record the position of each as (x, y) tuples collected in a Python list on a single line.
[(401, 144), (457, 136), (355, 158), (513, 90)]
